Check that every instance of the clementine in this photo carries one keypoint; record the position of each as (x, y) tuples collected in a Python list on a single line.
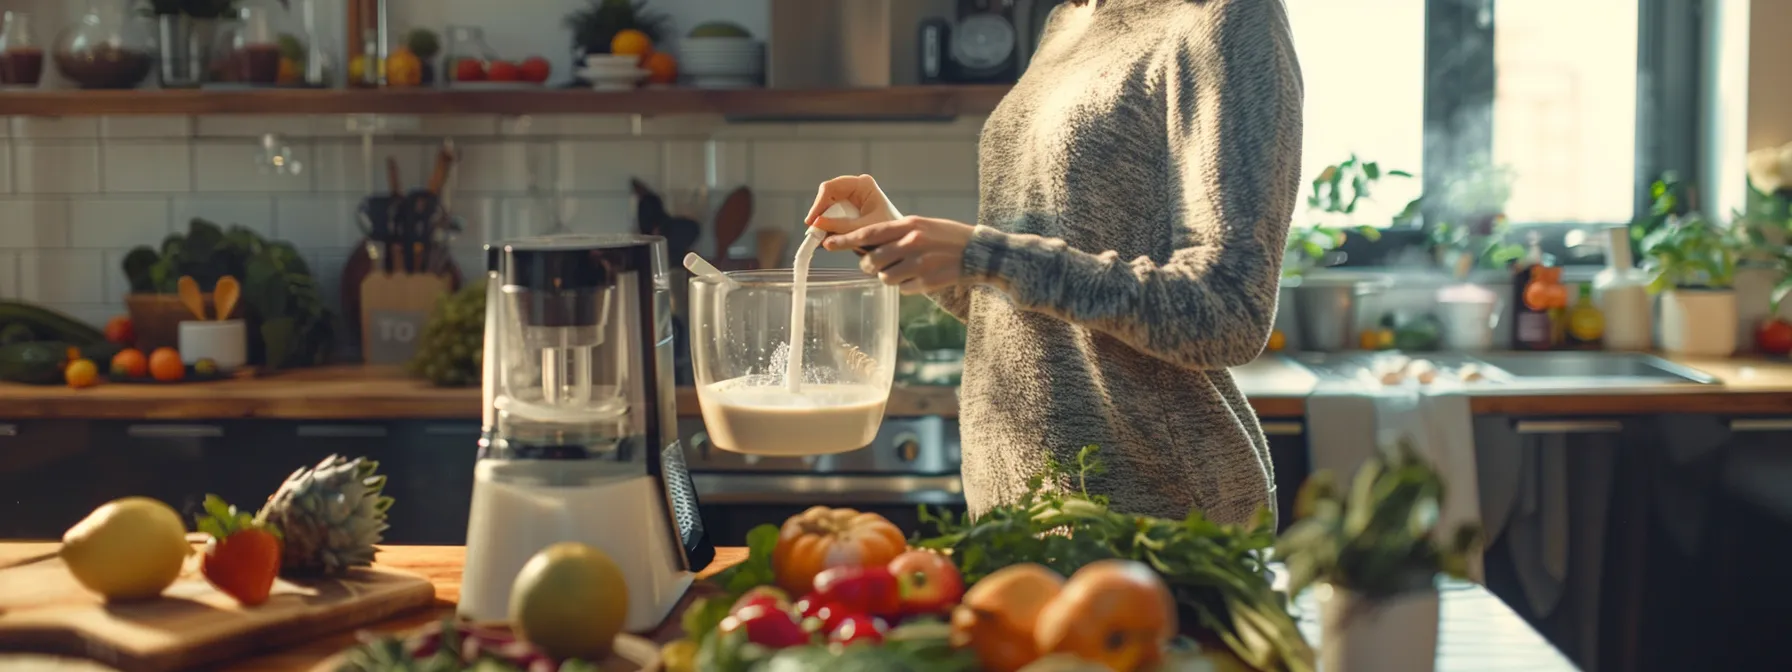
[(165, 365), (1119, 613), (997, 618), (661, 68), (81, 373), (631, 42), (130, 363)]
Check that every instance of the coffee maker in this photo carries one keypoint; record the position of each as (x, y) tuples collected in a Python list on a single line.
[(583, 442)]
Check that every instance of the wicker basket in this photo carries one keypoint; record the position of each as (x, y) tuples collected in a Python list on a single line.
[(156, 318)]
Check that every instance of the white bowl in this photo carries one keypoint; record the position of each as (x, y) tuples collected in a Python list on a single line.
[(719, 42), (225, 342), (611, 60)]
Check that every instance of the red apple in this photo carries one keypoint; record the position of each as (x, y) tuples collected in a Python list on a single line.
[(855, 629), (1774, 337), (863, 590), (469, 70), (767, 627), (767, 596), (536, 69), (929, 582), (503, 71)]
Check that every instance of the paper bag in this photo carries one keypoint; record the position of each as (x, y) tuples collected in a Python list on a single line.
[(394, 309)]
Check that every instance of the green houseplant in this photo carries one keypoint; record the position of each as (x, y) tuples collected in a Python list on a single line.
[(1337, 194), (1374, 553), (289, 323), (1693, 261), (596, 24)]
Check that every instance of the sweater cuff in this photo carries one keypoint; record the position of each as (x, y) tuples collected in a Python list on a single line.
[(985, 254)]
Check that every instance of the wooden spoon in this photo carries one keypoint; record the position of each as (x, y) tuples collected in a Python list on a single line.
[(225, 295), (190, 296)]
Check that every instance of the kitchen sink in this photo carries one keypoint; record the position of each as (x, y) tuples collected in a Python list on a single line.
[(1616, 368)]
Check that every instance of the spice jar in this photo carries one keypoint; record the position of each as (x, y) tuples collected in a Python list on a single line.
[(21, 58), (109, 48)]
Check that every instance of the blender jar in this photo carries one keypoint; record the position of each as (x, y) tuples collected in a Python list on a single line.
[(564, 365), (740, 351)]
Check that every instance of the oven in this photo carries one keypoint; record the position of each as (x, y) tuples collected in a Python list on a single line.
[(912, 463)]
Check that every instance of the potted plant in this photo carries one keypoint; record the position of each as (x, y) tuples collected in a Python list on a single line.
[(1373, 556), (1327, 307), (594, 26), (1693, 260), (1477, 198), (187, 30)]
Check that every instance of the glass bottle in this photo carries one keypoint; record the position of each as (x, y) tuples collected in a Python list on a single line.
[(465, 43), (21, 57), (109, 48)]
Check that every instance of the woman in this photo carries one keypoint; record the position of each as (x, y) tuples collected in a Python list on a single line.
[(1136, 190)]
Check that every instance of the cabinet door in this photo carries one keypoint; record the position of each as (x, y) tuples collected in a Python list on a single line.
[(49, 477), (1288, 453), (430, 478)]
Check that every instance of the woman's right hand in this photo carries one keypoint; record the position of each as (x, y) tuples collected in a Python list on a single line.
[(862, 192)]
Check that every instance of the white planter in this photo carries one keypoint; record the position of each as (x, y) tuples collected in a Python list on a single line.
[(1393, 635), (1698, 322)]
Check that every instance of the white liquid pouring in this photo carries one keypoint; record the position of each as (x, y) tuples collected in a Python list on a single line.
[(799, 293)]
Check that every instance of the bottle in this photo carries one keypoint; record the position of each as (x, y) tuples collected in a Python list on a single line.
[(1622, 293), (1586, 324), (1531, 328)]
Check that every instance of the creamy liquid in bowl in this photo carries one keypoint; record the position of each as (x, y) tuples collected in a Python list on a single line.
[(821, 419)]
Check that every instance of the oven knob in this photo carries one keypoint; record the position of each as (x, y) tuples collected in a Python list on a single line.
[(908, 447)]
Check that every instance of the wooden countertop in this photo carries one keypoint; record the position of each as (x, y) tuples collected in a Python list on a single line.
[(1276, 389), (1478, 632)]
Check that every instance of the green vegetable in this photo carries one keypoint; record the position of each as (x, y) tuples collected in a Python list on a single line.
[(1216, 572), (16, 333), (46, 324), (1380, 540), (453, 648), (913, 647), (424, 43), (36, 363), (453, 344)]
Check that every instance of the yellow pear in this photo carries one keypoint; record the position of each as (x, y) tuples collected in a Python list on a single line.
[(570, 601), (128, 549)]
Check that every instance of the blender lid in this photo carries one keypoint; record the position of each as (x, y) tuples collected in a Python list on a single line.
[(574, 261)]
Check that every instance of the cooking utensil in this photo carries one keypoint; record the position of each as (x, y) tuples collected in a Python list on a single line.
[(394, 186), (650, 209), (770, 247), (225, 296), (732, 219), (681, 235), (438, 178), (190, 296)]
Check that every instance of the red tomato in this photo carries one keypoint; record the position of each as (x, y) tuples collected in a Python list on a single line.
[(503, 71), (536, 69), (1774, 337), (469, 70), (119, 330)]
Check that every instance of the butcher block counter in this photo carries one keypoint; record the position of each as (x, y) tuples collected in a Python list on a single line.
[(1275, 388), (1477, 632)]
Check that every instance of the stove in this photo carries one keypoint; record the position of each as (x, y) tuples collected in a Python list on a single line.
[(913, 462)]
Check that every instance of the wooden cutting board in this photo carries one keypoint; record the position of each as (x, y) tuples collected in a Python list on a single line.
[(44, 611)]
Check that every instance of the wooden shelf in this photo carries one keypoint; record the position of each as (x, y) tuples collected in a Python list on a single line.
[(905, 102)]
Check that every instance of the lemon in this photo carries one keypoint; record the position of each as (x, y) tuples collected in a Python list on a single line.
[(570, 601), (128, 549)]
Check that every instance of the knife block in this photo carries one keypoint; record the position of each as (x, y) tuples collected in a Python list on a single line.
[(394, 309)]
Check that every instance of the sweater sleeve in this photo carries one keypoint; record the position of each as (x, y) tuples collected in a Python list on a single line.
[(1231, 92)]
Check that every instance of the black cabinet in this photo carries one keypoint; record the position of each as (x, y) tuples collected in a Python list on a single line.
[(1293, 461)]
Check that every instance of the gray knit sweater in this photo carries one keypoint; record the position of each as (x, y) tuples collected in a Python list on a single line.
[(1137, 186)]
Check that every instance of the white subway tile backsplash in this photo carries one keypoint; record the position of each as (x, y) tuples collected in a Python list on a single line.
[(5, 167), (115, 283), (40, 128), (505, 166), (146, 128), (62, 276), (252, 212), (226, 166), (688, 163), (340, 167), (568, 125), (313, 222), (960, 128), (932, 165), (253, 126), (460, 126), (134, 166), (799, 166), (108, 222), (479, 216), (608, 166), (33, 223), (602, 214), (520, 216), (955, 208), (9, 275), (772, 211), (56, 167)]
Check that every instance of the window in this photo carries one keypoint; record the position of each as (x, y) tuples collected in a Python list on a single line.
[(1544, 89)]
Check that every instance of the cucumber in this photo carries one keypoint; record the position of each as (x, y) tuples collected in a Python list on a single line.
[(16, 333), (38, 363), (48, 324)]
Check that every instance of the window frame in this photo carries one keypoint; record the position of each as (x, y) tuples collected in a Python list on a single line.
[(1670, 49)]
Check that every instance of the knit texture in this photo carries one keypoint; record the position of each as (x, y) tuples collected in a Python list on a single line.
[(1137, 186)]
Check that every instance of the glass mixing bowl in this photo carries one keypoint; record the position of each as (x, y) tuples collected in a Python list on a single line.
[(740, 353)]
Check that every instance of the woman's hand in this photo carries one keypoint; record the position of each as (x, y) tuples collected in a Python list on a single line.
[(862, 193), (917, 254)]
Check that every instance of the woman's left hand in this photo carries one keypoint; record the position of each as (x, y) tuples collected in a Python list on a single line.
[(917, 254)]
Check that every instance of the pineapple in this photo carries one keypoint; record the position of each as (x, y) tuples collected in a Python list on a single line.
[(332, 515)]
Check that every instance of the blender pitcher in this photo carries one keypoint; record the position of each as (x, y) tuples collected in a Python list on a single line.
[(584, 445)]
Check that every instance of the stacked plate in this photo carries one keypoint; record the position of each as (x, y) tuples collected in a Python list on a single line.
[(609, 72), (722, 62)]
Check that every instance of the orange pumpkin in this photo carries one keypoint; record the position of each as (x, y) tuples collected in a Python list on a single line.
[(998, 615), (1118, 613), (820, 538)]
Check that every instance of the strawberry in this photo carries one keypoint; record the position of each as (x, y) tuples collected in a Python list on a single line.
[(243, 556)]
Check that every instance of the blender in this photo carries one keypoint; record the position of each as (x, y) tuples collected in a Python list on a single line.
[(583, 444)]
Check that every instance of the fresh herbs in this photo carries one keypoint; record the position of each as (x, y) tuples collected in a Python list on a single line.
[(1217, 572), (921, 646), (1680, 246), (1338, 193), (296, 328), (456, 647), (1380, 540)]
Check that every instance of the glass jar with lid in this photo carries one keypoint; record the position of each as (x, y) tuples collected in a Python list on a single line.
[(111, 47), (21, 57), (466, 43)]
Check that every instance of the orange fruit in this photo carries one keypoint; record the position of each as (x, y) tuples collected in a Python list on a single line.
[(1277, 340), (661, 67), (165, 365), (130, 363), (631, 42), (1115, 612), (81, 373)]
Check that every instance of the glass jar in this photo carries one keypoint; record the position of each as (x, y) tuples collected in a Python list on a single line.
[(21, 57), (466, 43), (109, 48), (254, 50)]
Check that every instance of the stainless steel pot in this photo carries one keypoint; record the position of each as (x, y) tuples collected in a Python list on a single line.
[(1328, 309)]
